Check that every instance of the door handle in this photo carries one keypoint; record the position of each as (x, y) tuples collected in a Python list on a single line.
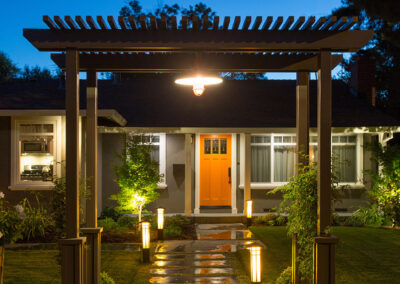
[(229, 175)]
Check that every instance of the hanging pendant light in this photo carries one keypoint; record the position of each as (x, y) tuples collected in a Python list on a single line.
[(197, 79), (198, 82)]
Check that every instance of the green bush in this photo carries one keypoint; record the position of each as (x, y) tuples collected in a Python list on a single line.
[(367, 216), (285, 277), (127, 221), (107, 224), (10, 222), (106, 279), (110, 212), (178, 220), (172, 231)]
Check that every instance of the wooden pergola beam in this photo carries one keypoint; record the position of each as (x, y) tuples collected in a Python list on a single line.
[(187, 40), (142, 63)]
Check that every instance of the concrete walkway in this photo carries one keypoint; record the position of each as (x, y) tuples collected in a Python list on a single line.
[(204, 260)]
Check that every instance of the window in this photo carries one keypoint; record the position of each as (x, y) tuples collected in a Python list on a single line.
[(158, 153), (344, 156), (35, 152), (272, 158)]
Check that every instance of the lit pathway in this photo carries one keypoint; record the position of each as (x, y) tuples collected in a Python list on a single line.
[(200, 261)]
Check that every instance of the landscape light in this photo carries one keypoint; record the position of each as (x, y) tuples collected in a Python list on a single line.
[(146, 241), (249, 211), (255, 263), (160, 223), (198, 82)]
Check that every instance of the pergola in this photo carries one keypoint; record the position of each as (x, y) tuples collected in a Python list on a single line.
[(150, 44)]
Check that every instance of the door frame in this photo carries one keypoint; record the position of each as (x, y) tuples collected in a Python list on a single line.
[(233, 167)]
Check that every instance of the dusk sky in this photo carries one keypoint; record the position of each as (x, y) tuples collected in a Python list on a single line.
[(16, 15)]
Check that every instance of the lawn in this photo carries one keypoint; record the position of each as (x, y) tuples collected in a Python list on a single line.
[(364, 255), (41, 266)]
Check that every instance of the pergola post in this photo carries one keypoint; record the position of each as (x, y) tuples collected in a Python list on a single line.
[(188, 174), (92, 232), (72, 248), (302, 136), (324, 244), (247, 170)]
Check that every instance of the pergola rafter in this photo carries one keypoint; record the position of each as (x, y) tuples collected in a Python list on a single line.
[(150, 44)]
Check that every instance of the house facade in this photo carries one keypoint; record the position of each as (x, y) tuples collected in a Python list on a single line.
[(214, 134)]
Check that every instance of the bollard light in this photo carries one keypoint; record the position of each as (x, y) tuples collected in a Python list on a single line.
[(160, 223), (255, 263), (146, 241), (249, 211)]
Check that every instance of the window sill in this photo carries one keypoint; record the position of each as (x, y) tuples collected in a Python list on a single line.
[(264, 186), (162, 186), (22, 187)]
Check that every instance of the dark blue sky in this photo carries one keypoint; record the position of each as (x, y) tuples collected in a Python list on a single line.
[(16, 15)]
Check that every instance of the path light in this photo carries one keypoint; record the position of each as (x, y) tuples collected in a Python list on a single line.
[(160, 223), (146, 241), (255, 263), (249, 211), (198, 82)]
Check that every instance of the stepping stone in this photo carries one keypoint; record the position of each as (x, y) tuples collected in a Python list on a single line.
[(191, 270), (226, 227), (188, 256), (224, 235), (193, 279), (213, 263), (210, 256)]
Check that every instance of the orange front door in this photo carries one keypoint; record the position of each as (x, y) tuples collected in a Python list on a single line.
[(215, 170)]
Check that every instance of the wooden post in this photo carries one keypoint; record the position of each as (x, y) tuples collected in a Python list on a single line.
[(302, 136), (72, 248), (324, 245), (247, 170), (188, 174), (92, 232)]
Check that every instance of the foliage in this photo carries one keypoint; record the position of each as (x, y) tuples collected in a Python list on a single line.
[(385, 193), (37, 222), (105, 278), (127, 221), (10, 222), (8, 69), (36, 73), (270, 220), (107, 224), (383, 18), (300, 197), (285, 277), (367, 216), (137, 175), (110, 212), (172, 231)]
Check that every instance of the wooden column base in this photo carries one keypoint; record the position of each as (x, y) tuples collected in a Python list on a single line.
[(93, 254), (324, 259), (72, 260)]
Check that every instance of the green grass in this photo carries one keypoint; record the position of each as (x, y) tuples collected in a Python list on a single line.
[(363, 255), (40, 266)]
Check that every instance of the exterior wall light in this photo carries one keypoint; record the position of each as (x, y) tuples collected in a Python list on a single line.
[(160, 223), (249, 211), (198, 82), (146, 241), (255, 263)]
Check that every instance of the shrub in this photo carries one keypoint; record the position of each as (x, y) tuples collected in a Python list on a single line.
[(285, 277), (367, 216), (10, 222), (107, 224), (127, 221), (110, 212), (105, 278), (172, 231), (178, 220)]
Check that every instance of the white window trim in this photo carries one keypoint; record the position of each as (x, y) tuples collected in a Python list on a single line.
[(272, 185), (16, 184)]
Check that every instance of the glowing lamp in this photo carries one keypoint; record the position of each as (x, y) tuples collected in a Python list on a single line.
[(198, 82), (146, 241), (255, 264), (160, 223), (249, 211)]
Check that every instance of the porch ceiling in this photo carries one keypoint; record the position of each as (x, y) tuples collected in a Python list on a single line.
[(165, 35), (133, 62)]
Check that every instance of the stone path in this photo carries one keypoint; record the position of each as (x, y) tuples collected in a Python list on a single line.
[(204, 260)]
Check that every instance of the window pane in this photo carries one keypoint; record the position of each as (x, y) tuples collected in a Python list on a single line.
[(278, 139), (260, 139), (287, 139), (343, 139), (335, 139), (344, 162), (314, 139), (261, 163), (35, 128), (215, 146), (284, 162), (207, 146), (155, 153), (223, 145), (352, 139)]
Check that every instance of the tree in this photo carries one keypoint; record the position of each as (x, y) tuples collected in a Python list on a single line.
[(8, 69), (383, 18), (137, 175), (36, 73)]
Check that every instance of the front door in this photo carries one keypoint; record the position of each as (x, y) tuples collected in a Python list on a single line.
[(215, 170)]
